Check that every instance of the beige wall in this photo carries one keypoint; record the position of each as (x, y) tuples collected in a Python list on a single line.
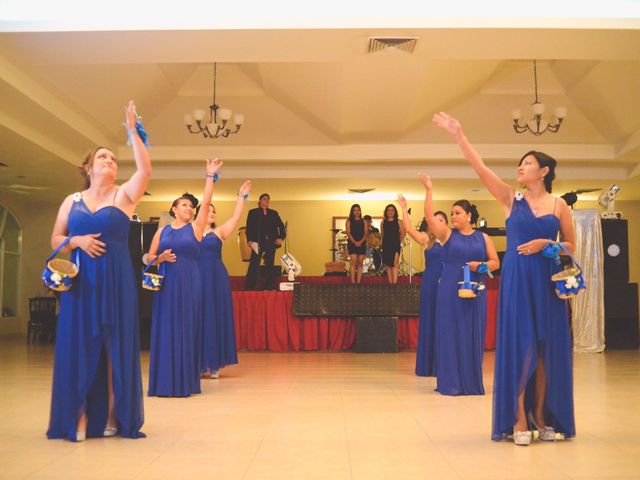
[(309, 236), (36, 219)]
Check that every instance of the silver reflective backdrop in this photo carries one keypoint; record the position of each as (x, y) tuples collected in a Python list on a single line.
[(588, 307)]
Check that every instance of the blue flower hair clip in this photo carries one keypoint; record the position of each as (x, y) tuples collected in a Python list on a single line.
[(484, 269), (552, 250)]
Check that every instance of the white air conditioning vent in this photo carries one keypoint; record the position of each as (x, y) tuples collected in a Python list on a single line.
[(402, 44), (361, 190)]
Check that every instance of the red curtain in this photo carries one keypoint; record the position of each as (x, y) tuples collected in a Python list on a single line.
[(264, 321)]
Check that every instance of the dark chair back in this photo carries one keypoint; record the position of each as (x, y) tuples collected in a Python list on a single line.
[(42, 318)]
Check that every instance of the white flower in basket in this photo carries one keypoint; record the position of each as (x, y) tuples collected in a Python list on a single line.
[(56, 278), (572, 282), (154, 281)]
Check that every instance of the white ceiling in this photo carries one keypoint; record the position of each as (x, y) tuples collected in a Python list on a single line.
[(322, 115)]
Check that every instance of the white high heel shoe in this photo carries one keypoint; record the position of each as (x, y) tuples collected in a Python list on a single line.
[(110, 431), (546, 433), (522, 438), (81, 436)]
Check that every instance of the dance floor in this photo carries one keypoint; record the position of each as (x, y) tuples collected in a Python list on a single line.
[(309, 415)]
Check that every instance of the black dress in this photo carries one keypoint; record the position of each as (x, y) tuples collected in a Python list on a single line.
[(357, 232), (390, 241)]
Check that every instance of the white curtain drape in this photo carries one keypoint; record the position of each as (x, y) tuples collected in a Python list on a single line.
[(588, 307)]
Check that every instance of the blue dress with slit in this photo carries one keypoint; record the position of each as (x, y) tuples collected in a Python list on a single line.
[(98, 314), (532, 322), (425, 353)]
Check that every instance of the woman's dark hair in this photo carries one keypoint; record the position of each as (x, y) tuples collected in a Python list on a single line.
[(443, 215), (395, 212), (469, 208), (351, 215), (184, 196), (88, 161), (424, 226), (543, 160), (213, 225)]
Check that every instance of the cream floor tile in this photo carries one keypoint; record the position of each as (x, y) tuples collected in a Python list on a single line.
[(322, 415)]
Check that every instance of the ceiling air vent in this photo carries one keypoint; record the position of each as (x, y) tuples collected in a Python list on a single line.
[(361, 190), (403, 44)]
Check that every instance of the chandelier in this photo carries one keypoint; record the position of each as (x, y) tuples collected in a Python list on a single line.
[(537, 125), (219, 124)]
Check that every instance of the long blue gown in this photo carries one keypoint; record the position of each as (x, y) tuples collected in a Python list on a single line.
[(532, 321), (176, 328), (460, 322), (425, 353), (218, 332), (99, 312)]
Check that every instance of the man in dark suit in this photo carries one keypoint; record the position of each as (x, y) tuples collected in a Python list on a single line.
[(265, 233)]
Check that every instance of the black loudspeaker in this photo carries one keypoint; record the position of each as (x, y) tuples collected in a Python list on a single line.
[(616, 250), (140, 236), (621, 315), (376, 335)]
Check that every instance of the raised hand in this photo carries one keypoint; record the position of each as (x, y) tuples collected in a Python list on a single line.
[(89, 244), (425, 180), (448, 123), (213, 166), (131, 116), (402, 201), (245, 189)]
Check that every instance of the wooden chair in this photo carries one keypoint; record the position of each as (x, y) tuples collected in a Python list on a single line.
[(42, 318)]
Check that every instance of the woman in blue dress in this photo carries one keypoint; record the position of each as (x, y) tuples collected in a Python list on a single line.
[(433, 263), (460, 322), (176, 328), (97, 386), (218, 341), (533, 371)]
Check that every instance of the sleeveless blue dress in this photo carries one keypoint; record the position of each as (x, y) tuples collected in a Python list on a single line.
[(218, 332), (176, 328), (460, 322), (99, 312), (532, 321), (425, 353)]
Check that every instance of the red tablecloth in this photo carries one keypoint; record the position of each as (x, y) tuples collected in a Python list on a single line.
[(264, 320)]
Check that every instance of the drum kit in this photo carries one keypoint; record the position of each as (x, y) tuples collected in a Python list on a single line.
[(373, 264)]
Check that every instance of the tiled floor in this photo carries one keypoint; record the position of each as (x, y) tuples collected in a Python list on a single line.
[(322, 415)]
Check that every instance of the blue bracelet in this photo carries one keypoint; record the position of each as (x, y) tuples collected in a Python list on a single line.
[(140, 131), (484, 269), (552, 250), (215, 177), (244, 197)]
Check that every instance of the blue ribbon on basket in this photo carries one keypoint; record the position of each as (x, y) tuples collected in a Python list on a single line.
[(567, 286), (467, 288), (466, 277), (152, 281), (57, 280)]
